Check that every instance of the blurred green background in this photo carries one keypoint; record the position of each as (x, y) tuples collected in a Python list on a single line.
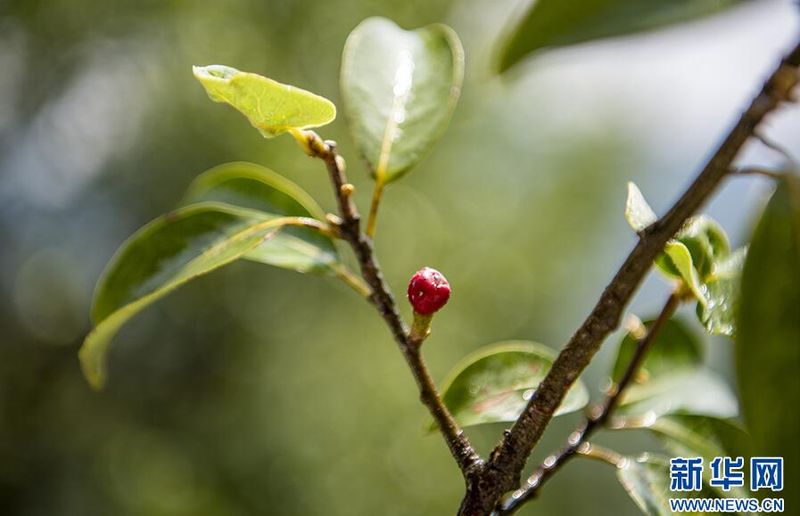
[(259, 391)]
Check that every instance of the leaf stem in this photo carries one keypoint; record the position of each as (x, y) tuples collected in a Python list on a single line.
[(600, 453), (351, 280), (755, 171), (775, 146), (578, 443), (373, 208)]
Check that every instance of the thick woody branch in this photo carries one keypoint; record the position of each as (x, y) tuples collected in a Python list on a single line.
[(381, 296), (579, 439), (504, 467)]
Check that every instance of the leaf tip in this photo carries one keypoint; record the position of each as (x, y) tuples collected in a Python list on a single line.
[(92, 365), (214, 72)]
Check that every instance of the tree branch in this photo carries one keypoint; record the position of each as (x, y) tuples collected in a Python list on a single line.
[(579, 439), (349, 229), (505, 464)]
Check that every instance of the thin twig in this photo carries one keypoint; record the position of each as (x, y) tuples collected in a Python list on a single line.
[(599, 416), (349, 229), (775, 146), (754, 171), (505, 464)]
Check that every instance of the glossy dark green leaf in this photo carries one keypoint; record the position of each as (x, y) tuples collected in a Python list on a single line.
[(722, 294), (768, 341), (255, 187), (555, 23), (675, 348), (495, 383), (272, 108), (399, 89), (162, 256)]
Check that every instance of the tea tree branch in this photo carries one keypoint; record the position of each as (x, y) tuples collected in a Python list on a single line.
[(578, 440), (381, 296), (505, 464)]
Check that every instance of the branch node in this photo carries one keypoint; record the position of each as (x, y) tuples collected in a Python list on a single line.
[(347, 189), (333, 219)]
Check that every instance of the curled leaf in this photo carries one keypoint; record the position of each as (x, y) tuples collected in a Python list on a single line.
[(272, 108)]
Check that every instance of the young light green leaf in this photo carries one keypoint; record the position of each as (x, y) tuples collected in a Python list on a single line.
[(675, 348), (638, 213), (768, 341), (678, 257), (706, 241), (162, 256), (555, 23), (495, 383), (722, 289), (272, 108), (399, 89), (252, 186)]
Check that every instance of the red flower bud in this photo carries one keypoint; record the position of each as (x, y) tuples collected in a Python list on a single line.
[(428, 291)]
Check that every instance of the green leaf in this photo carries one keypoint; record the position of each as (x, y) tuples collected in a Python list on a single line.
[(252, 186), (722, 294), (675, 348), (273, 108), (677, 257), (162, 256), (768, 342), (495, 383), (555, 23), (399, 89), (696, 391), (646, 480), (671, 378), (687, 435), (706, 241), (689, 257), (638, 213)]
